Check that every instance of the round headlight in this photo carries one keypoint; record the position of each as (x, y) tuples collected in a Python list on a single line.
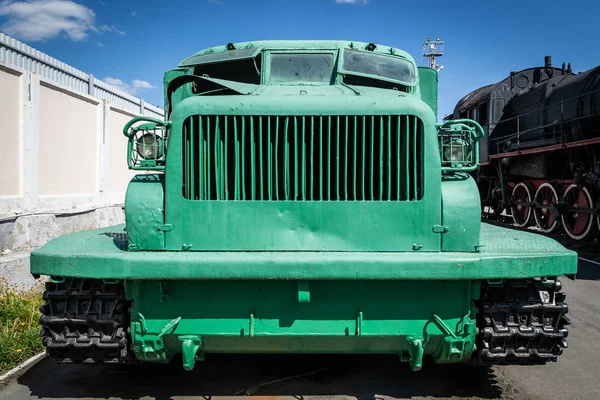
[(454, 152), (150, 147)]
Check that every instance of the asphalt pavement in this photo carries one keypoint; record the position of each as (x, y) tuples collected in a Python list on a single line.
[(576, 375)]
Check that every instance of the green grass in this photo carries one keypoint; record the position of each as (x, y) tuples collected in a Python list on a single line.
[(19, 325)]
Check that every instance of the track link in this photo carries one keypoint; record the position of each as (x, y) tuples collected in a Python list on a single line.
[(521, 323), (86, 321)]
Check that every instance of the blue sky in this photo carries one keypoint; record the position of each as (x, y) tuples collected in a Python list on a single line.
[(131, 43)]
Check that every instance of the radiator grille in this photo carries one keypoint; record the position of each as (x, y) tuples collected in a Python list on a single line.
[(303, 158)]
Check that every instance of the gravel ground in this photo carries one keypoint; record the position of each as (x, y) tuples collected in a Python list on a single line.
[(575, 376)]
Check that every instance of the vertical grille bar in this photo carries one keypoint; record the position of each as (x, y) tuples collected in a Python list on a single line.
[(286, 168), (243, 162), (222, 175), (217, 160), (389, 157), (303, 160), (187, 137), (269, 160), (354, 159), (312, 157), (199, 148), (398, 158), (295, 171), (329, 158), (414, 159), (207, 151), (364, 160), (226, 161), (381, 142), (406, 141), (223, 158), (346, 154), (372, 159), (321, 166), (191, 150), (260, 146), (237, 159), (252, 161), (337, 157), (277, 158)]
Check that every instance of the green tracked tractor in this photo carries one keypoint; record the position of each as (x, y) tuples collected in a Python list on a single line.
[(299, 197)]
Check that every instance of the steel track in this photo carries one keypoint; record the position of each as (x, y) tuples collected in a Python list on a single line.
[(86, 321), (521, 322)]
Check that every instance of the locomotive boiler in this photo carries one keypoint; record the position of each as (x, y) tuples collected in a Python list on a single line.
[(539, 157)]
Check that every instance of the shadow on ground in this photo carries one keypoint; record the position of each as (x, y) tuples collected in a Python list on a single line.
[(263, 375), (587, 271)]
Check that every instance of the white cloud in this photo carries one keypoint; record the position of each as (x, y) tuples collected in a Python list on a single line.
[(350, 1), (138, 84), (134, 88), (36, 20), (106, 28), (100, 44), (134, 13), (113, 81)]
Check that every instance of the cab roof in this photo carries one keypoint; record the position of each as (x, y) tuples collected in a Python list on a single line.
[(302, 45)]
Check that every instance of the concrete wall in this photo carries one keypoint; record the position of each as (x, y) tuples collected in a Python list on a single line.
[(63, 165), (10, 137)]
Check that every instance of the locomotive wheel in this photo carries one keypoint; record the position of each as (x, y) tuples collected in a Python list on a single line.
[(577, 224), (521, 213), (490, 202), (545, 219), (597, 219)]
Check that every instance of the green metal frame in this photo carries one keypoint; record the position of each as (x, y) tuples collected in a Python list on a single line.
[(130, 133), (463, 128)]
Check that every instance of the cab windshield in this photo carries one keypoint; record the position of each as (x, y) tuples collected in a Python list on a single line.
[(301, 67), (378, 66)]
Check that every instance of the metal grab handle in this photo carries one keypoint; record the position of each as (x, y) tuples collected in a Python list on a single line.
[(143, 118), (477, 132)]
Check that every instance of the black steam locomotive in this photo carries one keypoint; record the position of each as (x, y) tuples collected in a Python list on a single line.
[(540, 157)]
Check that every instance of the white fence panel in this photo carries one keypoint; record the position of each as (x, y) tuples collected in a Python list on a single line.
[(63, 153), (63, 149)]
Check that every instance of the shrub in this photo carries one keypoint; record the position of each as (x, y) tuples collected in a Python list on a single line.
[(19, 324)]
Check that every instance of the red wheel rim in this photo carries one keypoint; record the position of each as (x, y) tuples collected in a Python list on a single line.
[(521, 213), (545, 219), (577, 224)]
